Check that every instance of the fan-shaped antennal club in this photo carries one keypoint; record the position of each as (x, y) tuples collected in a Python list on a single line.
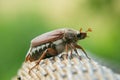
[(89, 30), (80, 29)]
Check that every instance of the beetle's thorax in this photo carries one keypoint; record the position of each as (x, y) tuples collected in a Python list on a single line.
[(70, 35)]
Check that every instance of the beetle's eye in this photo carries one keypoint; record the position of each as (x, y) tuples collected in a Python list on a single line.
[(78, 36), (81, 35)]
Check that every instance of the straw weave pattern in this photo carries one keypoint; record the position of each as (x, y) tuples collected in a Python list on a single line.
[(66, 67)]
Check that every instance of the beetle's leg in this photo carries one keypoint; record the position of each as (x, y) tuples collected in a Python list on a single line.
[(66, 48), (78, 46), (71, 53), (70, 50), (28, 55), (51, 51), (42, 56), (27, 58), (75, 50)]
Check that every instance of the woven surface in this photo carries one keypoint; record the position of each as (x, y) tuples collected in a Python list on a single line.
[(72, 67)]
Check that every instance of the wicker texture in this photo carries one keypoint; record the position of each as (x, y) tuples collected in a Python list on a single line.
[(66, 67)]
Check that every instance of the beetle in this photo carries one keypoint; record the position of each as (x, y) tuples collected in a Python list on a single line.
[(54, 42)]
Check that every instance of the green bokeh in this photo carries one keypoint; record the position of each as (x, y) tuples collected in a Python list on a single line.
[(22, 21)]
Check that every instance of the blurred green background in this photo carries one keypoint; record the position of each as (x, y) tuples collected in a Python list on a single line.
[(22, 20)]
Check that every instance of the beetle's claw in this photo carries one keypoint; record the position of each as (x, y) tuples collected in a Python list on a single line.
[(37, 63)]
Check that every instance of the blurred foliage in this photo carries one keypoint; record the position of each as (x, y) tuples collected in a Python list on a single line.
[(20, 21)]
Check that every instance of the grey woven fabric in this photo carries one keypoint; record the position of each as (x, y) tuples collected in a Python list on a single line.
[(66, 67)]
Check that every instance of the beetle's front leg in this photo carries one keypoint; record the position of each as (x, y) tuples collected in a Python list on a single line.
[(74, 48), (79, 47)]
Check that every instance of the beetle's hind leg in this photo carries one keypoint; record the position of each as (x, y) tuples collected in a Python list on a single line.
[(37, 63), (51, 51)]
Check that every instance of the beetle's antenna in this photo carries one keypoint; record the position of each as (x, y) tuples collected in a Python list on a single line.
[(89, 30), (80, 29)]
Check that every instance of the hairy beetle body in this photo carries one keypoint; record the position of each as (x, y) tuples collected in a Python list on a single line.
[(55, 39), (54, 42)]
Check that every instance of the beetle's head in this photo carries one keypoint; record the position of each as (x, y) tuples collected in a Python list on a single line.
[(83, 35)]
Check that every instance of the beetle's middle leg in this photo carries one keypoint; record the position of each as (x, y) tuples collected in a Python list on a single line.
[(66, 48)]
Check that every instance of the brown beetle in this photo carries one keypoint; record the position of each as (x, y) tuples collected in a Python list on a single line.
[(54, 42)]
